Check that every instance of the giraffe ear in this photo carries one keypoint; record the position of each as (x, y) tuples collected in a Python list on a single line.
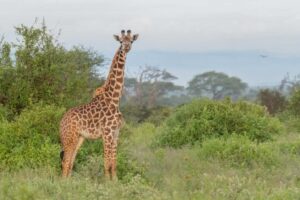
[(117, 38), (135, 37)]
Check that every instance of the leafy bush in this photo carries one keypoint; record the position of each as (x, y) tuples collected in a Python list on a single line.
[(239, 151), (158, 115), (200, 119), (290, 120), (32, 139), (44, 70), (294, 104), (3, 113)]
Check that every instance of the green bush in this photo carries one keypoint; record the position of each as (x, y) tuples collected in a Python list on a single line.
[(294, 103), (240, 151), (44, 70), (290, 120), (200, 119), (3, 113), (32, 139), (290, 148)]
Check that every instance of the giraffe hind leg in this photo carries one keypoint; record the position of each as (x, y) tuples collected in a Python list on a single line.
[(78, 145), (66, 164), (69, 154)]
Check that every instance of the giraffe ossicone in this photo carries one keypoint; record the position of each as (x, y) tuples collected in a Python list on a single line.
[(101, 118)]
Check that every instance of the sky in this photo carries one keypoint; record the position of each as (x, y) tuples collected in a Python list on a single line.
[(228, 31)]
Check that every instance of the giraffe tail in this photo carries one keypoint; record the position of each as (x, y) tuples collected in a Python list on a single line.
[(62, 155)]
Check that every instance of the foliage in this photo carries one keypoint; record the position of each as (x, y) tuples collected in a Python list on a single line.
[(4, 113), (159, 114), (216, 85), (31, 140), (290, 84), (239, 151), (138, 114), (290, 120), (193, 122), (294, 103), (272, 99), (44, 70)]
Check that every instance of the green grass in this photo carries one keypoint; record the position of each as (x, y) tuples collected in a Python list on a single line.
[(231, 167)]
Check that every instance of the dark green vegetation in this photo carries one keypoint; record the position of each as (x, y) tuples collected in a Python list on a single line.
[(203, 149), (194, 122)]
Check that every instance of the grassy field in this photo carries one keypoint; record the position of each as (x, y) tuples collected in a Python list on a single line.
[(220, 168)]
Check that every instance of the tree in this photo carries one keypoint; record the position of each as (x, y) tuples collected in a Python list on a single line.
[(150, 85), (5, 50), (45, 71), (290, 85), (273, 100), (216, 85)]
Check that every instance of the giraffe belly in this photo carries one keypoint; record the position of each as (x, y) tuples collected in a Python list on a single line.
[(91, 134)]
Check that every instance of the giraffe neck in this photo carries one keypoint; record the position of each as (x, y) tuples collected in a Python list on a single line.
[(115, 80)]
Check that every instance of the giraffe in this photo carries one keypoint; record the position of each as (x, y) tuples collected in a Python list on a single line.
[(98, 91), (100, 118)]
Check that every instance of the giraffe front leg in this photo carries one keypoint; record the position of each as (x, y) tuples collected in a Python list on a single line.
[(110, 154), (106, 156), (114, 155), (113, 160)]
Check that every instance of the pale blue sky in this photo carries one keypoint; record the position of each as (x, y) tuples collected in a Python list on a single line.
[(269, 27)]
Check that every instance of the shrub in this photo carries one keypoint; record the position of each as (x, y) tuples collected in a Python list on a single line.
[(158, 115), (200, 119), (3, 113), (32, 139), (239, 151), (294, 104), (290, 120)]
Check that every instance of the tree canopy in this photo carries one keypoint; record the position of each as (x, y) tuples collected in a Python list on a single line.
[(216, 85), (37, 68)]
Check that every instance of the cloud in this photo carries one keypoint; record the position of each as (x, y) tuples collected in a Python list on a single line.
[(191, 25)]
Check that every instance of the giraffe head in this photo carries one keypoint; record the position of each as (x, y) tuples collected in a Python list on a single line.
[(126, 40)]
